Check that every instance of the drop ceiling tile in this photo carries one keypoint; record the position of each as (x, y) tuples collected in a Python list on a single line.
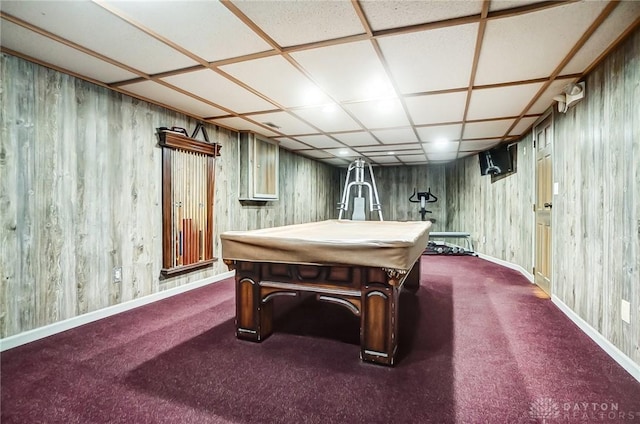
[(510, 4), (285, 122), (290, 144), (393, 14), (328, 118), (159, 93), (237, 123), (217, 89), (293, 23), (387, 147), (501, 102), (442, 156), (31, 44), (621, 17), (343, 152), (477, 145), (439, 147), (532, 45), (206, 28), (379, 113), (413, 159), (523, 125), (546, 99), (423, 61), (396, 136), (440, 132), (279, 80), (348, 72), (437, 108), (487, 129), (319, 141), (360, 138), (99, 30), (388, 159)]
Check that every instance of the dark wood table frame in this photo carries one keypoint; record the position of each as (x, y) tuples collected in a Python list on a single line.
[(368, 292)]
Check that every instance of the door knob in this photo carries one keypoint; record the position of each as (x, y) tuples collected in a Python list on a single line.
[(548, 205)]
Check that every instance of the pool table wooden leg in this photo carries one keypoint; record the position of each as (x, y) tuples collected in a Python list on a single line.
[(254, 319), (379, 324)]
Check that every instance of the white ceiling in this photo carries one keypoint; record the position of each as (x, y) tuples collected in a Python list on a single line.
[(333, 79)]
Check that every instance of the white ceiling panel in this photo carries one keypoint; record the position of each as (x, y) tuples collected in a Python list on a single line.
[(343, 152), (286, 123), (386, 148), (477, 145), (27, 42), (99, 30), (532, 45), (387, 159), (217, 89), (290, 144), (353, 139), (393, 14), (328, 118), (162, 94), (396, 136), (399, 73), (379, 113), (290, 89), (348, 72), (436, 108), (413, 158), (319, 141), (206, 28), (523, 125), (291, 23), (441, 147), (509, 4), (424, 61), (442, 156), (546, 99), (501, 102), (440, 132), (487, 129), (622, 17), (243, 125)]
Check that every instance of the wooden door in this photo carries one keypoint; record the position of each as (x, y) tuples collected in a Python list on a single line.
[(544, 203)]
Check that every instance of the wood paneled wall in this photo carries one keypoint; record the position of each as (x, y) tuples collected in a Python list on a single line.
[(396, 184), (498, 215), (80, 194), (596, 215)]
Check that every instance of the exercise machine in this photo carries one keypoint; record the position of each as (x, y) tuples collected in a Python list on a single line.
[(357, 168), (423, 197)]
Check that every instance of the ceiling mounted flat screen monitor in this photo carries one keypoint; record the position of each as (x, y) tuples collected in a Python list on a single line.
[(496, 161)]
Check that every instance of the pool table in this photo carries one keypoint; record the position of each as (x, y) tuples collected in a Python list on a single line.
[(359, 265)]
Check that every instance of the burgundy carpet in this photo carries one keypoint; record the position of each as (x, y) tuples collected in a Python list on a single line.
[(477, 346)]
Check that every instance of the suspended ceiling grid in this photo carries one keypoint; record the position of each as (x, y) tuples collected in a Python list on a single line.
[(397, 82)]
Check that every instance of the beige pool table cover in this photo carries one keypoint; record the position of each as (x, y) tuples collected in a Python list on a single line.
[(386, 244)]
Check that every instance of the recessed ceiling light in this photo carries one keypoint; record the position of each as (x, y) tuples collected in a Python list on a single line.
[(343, 152), (391, 153), (441, 143), (330, 108)]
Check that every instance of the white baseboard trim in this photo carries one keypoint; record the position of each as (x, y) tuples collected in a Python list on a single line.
[(623, 360), (67, 324), (506, 264)]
